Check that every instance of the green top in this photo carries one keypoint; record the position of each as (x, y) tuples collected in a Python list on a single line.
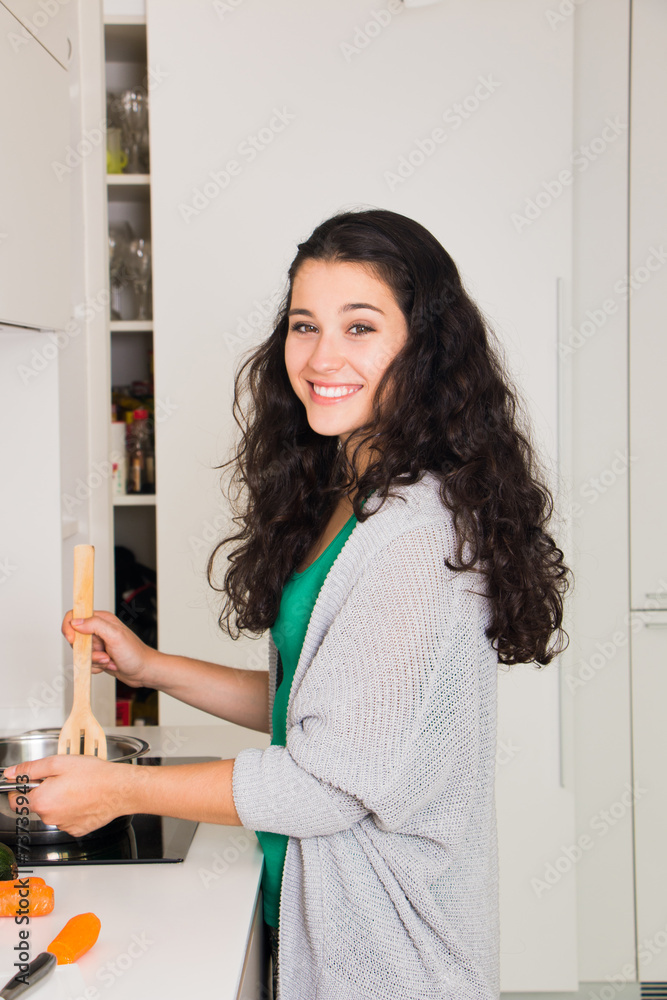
[(296, 606)]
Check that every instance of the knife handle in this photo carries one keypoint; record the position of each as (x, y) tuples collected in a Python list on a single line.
[(39, 969)]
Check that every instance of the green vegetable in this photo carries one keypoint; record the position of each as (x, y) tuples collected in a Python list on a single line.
[(8, 869)]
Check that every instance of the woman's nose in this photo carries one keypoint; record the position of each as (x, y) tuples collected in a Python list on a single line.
[(326, 355)]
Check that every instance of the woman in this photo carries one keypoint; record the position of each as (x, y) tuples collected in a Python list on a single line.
[(392, 537)]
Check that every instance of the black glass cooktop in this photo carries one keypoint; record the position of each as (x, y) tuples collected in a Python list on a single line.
[(139, 839)]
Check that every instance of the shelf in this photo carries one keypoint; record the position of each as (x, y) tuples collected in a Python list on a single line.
[(134, 500), (129, 187), (131, 325), (122, 19), (126, 180)]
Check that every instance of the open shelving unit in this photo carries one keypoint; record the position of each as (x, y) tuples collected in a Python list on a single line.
[(130, 340)]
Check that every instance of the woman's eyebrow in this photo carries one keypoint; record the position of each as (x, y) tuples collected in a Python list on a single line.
[(359, 305), (346, 308)]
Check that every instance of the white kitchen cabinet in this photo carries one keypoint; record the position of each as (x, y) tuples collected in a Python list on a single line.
[(30, 540), (51, 22), (646, 289), (647, 292), (649, 692), (49, 298), (35, 266), (332, 110), (599, 672)]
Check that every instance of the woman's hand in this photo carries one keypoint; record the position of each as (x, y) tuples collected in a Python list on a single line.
[(116, 649), (78, 794)]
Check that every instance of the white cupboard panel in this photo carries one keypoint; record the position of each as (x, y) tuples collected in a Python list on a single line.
[(51, 22), (31, 611), (536, 835), (649, 696), (35, 172), (601, 737), (35, 184), (646, 288), (266, 119)]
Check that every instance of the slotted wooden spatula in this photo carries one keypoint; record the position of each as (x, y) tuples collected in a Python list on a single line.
[(82, 726)]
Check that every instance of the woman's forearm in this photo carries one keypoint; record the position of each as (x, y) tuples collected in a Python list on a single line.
[(201, 792), (239, 696)]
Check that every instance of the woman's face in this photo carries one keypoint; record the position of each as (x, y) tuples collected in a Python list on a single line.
[(345, 327)]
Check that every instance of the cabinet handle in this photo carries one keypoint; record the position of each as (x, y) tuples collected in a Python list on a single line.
[(564, 439), (655, 624)]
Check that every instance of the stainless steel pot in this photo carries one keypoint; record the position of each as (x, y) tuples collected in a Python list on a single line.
[(33, 746)]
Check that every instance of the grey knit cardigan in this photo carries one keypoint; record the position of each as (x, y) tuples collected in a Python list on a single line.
[(386, 785)]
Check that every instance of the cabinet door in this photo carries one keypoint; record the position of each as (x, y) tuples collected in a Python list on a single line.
[(649, 696), (265, 120), (36, 165), (646, 288), (52, 24)]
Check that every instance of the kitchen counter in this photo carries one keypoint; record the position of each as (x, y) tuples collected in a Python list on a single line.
[(168, 930)]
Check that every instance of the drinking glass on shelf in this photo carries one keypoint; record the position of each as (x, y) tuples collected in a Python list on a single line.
[(121, 236), (139, 265), (144, 152), (133, 108), (116, 155), (114, 111)]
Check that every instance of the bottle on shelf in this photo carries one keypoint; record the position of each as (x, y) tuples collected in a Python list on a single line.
[(141, 464), (118, 457)]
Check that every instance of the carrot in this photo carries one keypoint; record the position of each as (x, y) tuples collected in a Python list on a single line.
[(77, 936), (30, 897)]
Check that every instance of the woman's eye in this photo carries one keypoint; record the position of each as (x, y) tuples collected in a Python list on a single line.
[(302, 327), (359, 328)]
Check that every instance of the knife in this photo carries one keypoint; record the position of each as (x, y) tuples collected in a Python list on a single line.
[(39, 969)]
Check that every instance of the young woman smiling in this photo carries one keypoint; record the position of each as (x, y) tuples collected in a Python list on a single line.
[(393, 541)]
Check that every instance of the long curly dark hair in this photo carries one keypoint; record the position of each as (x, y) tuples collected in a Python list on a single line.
[(450, 409)]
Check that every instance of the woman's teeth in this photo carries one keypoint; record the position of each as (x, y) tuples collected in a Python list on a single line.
[(331, 390)]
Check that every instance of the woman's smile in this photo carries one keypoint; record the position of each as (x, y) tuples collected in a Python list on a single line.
[(328, 393)]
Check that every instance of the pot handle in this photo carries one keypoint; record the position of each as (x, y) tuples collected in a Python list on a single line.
[(13, 786)]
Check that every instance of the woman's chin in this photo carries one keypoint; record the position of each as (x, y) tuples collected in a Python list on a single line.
[(328, 426)]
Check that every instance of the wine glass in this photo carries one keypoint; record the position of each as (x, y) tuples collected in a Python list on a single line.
[(120, 239), (139, 264), (144, 152), (133, 107)]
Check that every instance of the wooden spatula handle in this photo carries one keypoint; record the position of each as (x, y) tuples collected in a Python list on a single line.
[(82, 733), (84, 575), (82, 648)]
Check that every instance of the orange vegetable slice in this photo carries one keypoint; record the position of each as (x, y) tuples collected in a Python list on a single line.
[(76, 938), (30, 897)]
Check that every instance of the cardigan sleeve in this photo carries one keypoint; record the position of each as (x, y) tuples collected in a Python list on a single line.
[(386, 718)]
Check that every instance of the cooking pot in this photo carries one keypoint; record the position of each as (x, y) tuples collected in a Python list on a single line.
[(33, 746)]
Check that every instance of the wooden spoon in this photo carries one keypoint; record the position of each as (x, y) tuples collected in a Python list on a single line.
[(82, 726)]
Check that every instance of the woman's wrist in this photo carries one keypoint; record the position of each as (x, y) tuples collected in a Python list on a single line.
[(154, 674), (134, 788)]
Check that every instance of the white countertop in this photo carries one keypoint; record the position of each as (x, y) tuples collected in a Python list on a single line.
[(169, 931)]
